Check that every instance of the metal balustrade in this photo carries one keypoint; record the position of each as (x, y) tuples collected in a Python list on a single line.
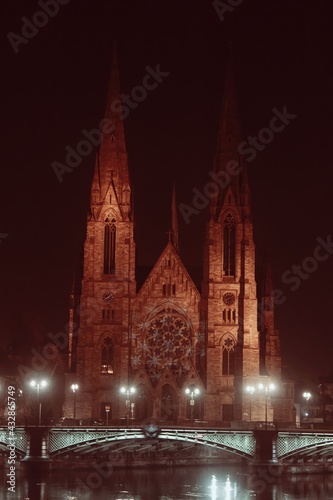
[(291, 444)]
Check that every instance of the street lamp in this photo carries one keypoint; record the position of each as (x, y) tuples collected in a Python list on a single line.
[(74, 388), (267, 388), (38, 386), (307, 396), (192, 392), (107, 411), (250, 389), (129, 407)]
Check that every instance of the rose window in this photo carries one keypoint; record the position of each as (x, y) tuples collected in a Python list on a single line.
[(168, 343)]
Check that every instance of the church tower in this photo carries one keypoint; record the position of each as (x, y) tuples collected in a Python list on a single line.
[(229, 300), (100, 343), (270, 351), (270, 356)]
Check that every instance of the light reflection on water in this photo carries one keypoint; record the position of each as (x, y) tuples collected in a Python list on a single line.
[(182, 483)]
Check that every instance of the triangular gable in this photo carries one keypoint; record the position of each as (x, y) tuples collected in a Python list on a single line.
[(194, 378), (169, 264), (99, 211), (142, 377), (167, 377)]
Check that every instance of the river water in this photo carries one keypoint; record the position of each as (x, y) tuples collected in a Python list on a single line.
[(181, 483)]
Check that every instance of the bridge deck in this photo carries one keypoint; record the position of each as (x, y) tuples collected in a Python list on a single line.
[(83, 440)]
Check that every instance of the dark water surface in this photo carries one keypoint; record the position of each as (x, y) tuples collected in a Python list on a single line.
[(181, 483)]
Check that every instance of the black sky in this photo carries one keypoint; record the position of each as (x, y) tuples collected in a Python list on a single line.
[(55, 86)]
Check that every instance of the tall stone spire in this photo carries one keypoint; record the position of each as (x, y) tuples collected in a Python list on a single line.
[(111, 162), (101, 345), (230, 166), (174, 220)]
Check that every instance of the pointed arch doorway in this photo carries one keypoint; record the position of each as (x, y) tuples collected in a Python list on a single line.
[(144, 407), (169, 403)]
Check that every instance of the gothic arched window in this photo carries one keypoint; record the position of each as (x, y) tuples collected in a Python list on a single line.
[(107, 356), (229, 245), (109, 246), (228, 355)]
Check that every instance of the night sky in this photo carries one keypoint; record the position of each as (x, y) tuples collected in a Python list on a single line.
[(55, 86)]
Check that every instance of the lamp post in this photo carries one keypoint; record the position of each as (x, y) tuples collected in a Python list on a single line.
[(307, 396), (74, 388), (107, 411), (37, 386), (250, 389), (128, 391), (192, 392), (267, 388)]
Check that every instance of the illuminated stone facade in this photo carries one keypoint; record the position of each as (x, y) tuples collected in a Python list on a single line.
[(166, 336)]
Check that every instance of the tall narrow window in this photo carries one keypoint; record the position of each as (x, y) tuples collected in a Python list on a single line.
[(229, 245), (110, 246), (107, 356), (228, 356)]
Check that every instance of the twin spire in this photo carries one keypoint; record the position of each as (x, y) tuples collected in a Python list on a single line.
[(112, 164)]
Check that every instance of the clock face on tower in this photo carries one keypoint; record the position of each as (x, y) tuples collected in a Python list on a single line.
[(108, 297), (228, 298)]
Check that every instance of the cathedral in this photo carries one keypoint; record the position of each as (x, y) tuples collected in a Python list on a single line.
[(167, 350)]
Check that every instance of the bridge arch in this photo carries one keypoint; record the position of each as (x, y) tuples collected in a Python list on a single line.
[(291, 446), (82, 443)]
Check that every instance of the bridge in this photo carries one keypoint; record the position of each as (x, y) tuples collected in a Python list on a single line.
[(57, 444)]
